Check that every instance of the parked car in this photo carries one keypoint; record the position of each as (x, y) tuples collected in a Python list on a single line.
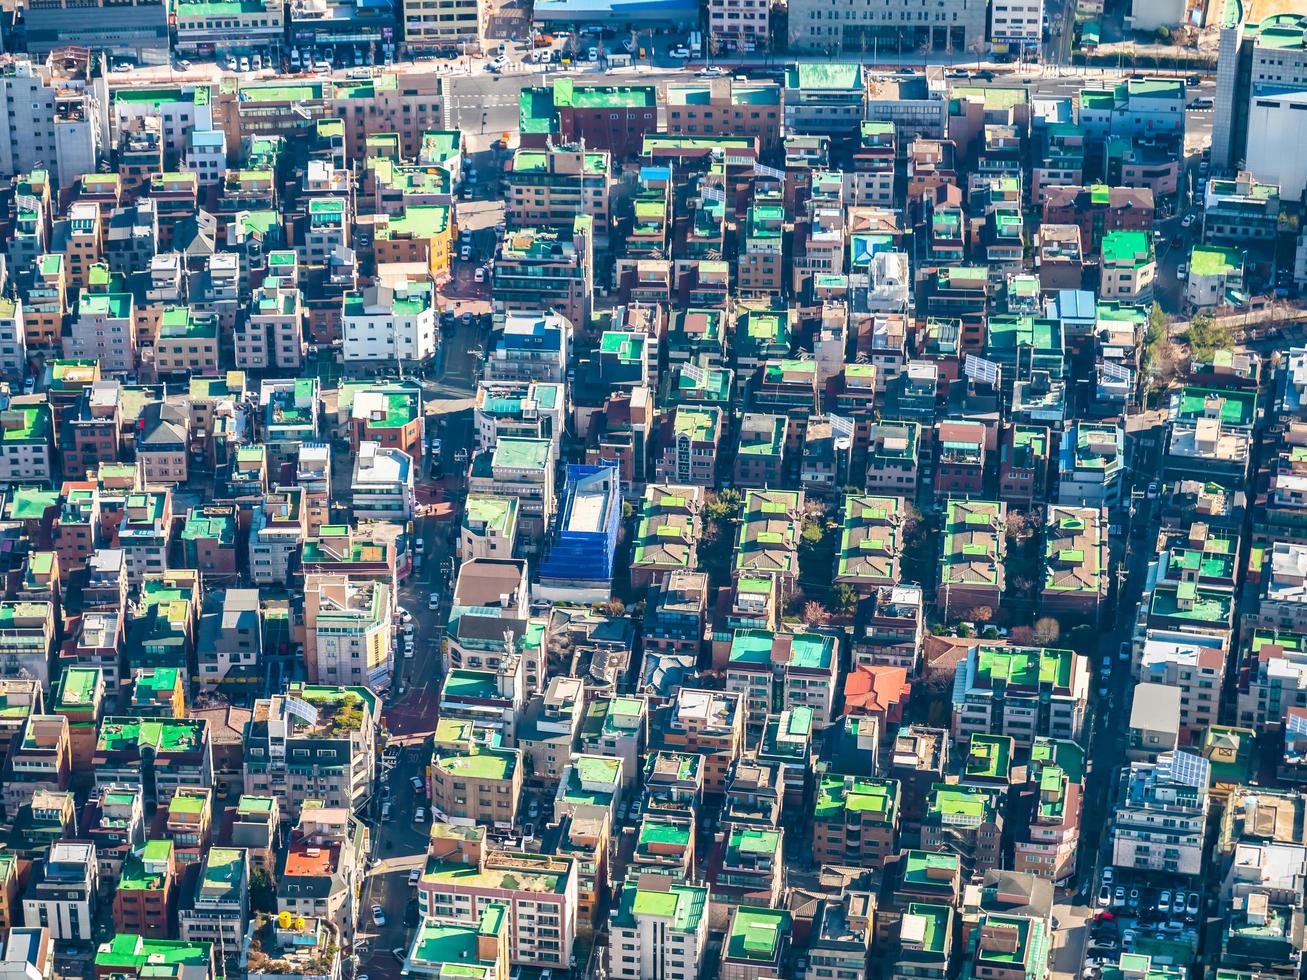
[(1118, 897), (479, 275), (415, 876), (1164, 901), (378, 915), (1182, 271), (679, 51), (417, 783), (1105, 896), (420, 815), (1194, 905), (1187, 221)]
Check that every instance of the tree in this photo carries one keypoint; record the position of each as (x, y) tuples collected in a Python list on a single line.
[(615, 607), (1205, 337), (812, 533), (814, 613), (263, 893), (980, 614), (1157, 361), (1047, 630), (723, 505), (1020, 526), (1022, 636), (843, 599)]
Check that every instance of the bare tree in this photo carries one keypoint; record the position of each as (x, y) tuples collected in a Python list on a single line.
[(814, 613)]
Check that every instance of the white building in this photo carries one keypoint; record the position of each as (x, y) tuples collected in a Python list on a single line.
[(206, 155), (56, 118), (1276, 151), (62, 891), (1160, 822), (382, 485), (659, 930), (1146, 16), (13, 339), (180, 110), (389, 323), (1016, 23), (347, 631), (742, 25)]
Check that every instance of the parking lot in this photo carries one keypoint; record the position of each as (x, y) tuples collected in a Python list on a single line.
[(1132, 916)]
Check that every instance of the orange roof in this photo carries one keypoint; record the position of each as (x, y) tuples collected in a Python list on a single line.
[(874, 690), (305, 860)]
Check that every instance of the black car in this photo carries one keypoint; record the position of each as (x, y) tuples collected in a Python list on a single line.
[(1193, 80), (986, 75)]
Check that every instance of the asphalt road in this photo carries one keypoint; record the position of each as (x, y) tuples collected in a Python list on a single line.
[(400, 843)]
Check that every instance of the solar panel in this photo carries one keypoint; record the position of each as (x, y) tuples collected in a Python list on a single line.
[(1190, 769), (761, 170), (1296, 725), (713, 194), (978, 369), (1113, 371)]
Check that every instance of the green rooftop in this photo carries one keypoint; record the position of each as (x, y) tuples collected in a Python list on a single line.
[(483, 763), (846, 77), (683, 905), (1125, 247), (856, 794), (757, 934), (1023, 667)]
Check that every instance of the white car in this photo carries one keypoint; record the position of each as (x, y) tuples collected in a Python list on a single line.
[(433, 602), (592, 54), (419, 545), (417, 783), (498, 62), (257, 63), (244, 63), (1187, 221), (378, 915), (712, 71), (420, 816), (1182, 271), (479, 275), (465, 253), (415, 876)]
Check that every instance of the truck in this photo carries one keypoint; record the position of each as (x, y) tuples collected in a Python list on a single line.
[(696, 44)]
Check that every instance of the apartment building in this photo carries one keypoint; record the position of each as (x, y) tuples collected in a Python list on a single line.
[(1160, 820), (540, 891), (552, 186), (659, 929), (347, 631), (312, 743), (160, 755)]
